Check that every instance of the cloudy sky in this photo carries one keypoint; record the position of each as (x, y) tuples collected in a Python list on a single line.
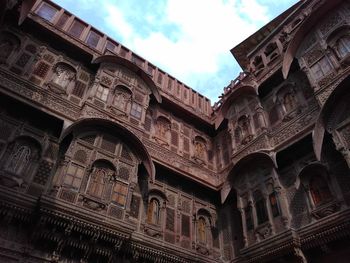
[(189, 39)]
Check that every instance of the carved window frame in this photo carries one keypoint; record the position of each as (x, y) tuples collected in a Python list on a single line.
[(102, 93), (73, 174), (69, 82)]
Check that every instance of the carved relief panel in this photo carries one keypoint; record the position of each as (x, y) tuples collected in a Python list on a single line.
[(246, 120), (96, 173)]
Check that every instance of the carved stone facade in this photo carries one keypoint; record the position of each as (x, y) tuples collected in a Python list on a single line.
[(106, 158)]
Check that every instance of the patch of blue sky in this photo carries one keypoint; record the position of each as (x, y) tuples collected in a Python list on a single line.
[(190, 39)]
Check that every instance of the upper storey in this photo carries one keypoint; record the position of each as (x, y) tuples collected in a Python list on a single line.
[(94, 42)]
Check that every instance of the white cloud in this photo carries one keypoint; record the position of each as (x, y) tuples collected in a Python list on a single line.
[(115, 19), (206, 31)]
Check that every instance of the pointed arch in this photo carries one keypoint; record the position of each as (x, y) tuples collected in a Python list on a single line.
[(240, 91), (132, 141), (303, 30), (334, 99), (134, 68)]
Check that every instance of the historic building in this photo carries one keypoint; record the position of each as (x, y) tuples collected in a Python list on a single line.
[(104, 157)]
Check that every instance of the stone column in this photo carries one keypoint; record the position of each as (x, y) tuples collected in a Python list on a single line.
[(283, 206), (340, 147), (244, 223), (269, 212)]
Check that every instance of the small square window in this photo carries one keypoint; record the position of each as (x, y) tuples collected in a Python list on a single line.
[(136, 110), (93, 39), (76, 29), (74, 176), (110, 46), (47, 12)]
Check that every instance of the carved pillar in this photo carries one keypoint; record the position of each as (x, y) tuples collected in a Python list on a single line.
[(261, 117), (340, 147), (283, 207), (244, 222), (279, 45), (269, 213), (93, 89), (129, 197), (264, 59), (311, 200), (298, 253), (332, 55), (251, 201)]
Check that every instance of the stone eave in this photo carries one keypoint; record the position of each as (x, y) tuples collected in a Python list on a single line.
[(242, 50)]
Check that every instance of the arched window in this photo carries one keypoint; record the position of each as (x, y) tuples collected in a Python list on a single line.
[(153, 212), (319, 190), (258, 63), (238, 135), (122, 97), (101, 174), (19, 160), (343, 46), (274, 204), (244, 124), (97, 183), (22, 153), (201, 230), (63, 75)]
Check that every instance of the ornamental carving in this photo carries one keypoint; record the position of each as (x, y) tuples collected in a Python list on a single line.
[(202, 250), (92, 203), (313, 55), (263, 232), (327, 80), (295, 126), (326, 210), (330, 22)]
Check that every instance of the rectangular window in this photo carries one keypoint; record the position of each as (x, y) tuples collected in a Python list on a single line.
[(248, 218), (47, 12), (102, 93), (76, 29), (160, 78), (185, 225), (79, 89), (136, 110), (321, 68), (261, 211), (274, 204), (74, 176), (110, 46), (150, 69), (120, 192), (170, 219), (62, 21), (93, 39)]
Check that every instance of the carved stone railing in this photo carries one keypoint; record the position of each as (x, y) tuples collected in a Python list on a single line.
[(181, 164), (14, 85), (301, 123), (96, 53)]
